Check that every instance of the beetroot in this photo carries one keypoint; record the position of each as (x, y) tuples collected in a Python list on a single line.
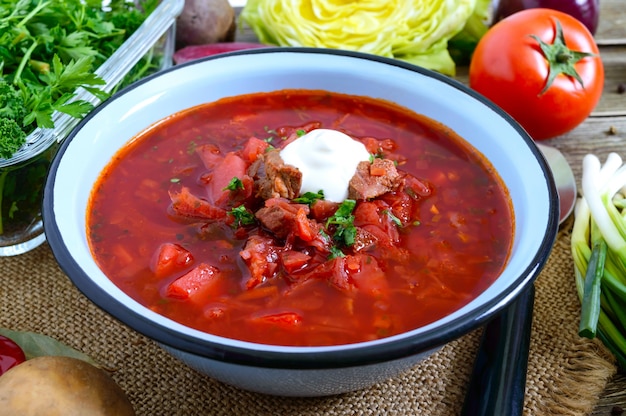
[(205, 21), (189, 53)]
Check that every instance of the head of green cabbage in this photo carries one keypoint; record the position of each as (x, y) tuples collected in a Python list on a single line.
[(417, 31)]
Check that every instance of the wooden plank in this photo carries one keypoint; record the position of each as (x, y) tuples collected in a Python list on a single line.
[(612, 25), (597, 135), (613, 102)]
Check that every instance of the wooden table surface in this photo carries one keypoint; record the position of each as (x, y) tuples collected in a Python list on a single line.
[(603, 132)]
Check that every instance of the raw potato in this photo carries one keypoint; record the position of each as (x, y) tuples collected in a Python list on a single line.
[(205, 21), (61, 386)]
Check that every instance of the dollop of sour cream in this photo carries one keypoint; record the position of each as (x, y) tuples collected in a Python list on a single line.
[(327, 160)]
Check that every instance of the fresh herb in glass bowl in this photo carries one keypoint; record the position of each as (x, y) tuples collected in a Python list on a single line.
[(50, 53)]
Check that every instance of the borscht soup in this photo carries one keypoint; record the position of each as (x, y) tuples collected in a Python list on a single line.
[(300, 218)]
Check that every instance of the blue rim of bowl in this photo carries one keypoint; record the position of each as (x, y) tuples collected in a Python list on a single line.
[(309, 358)]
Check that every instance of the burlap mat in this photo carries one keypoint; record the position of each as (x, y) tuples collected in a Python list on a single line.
[(565, 374)]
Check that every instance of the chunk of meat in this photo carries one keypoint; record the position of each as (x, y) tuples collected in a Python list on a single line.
[(374, 179), (274, 178)]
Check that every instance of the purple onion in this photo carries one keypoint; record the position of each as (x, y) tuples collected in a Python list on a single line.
[(587, 11)]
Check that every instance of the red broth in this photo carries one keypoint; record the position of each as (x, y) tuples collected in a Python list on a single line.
[(162, 225)]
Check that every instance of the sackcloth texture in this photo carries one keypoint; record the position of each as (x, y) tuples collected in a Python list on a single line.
[(566, 373)]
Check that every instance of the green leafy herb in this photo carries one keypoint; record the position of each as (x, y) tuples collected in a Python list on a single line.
[(377, 155), (343, 222), (598, 247), (13, 137), (48, 50), (309, 197), (300, 132), (335, 252), (590, 304), (242, 216), (234, 184)]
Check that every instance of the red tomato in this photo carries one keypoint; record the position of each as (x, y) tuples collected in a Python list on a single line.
[(10, 354), (510, 68)]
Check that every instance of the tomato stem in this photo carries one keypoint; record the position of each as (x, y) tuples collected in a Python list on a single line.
[(564, 57), (561, 59)]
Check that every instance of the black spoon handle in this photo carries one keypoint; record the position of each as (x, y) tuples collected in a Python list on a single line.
[(498, 381)]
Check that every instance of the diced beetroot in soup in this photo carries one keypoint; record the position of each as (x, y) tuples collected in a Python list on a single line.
[(367, 276), (284, 320), (170, 258), (232, 166), (260, 255), (322, 209), (187, 205), (366, 213), (210, 155), (293, 260), (374, 218), (253, 149), (195, 286)]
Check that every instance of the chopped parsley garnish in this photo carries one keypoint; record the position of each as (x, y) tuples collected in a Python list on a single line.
[(234, 184), (300, 132), (343, 220), (335, 252), (309, 197), (242, 216), (191, 148), (377, 155)]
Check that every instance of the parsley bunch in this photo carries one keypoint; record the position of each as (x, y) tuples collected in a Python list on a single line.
[(49, 48)]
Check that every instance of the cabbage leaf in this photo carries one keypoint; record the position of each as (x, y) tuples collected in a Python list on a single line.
[(416, 31)]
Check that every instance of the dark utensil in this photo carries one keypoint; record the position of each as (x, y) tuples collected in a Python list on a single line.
[(498, 381), (499, 376)]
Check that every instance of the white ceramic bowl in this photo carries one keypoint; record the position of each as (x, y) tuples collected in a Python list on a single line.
[(300, 371)]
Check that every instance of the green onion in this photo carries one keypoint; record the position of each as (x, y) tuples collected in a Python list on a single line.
[(591, 295), (598, 247)]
